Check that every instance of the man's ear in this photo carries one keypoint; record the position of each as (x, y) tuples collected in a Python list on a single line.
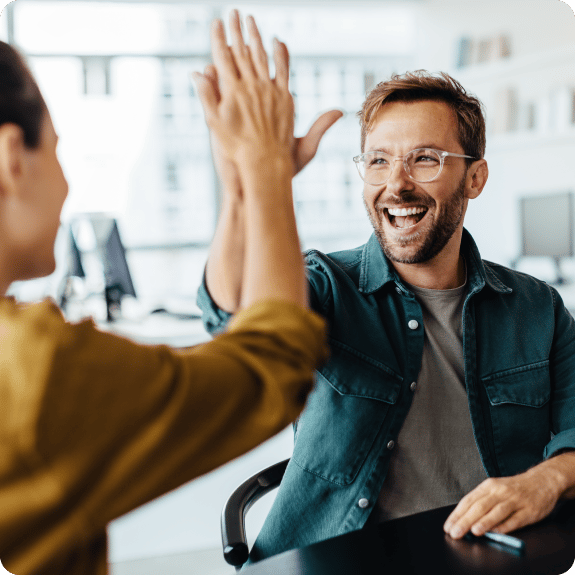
[(12, 157), (476, 179)]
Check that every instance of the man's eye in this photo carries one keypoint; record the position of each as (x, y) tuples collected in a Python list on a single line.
[(425, 159), (378, 162)]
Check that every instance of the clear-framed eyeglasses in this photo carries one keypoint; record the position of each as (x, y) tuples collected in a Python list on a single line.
[(421, 165)]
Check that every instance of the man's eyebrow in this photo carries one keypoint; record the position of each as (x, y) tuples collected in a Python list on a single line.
[(377, 150), (433, 146), (418, 147)]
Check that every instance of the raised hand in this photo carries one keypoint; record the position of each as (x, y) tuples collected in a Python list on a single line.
[(304, 148), (255, 254), (250, 115), (241, 101)]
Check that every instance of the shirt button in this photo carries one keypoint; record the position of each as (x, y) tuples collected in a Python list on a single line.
[(413, 386), (363, 503), (390, 444), (398, 290), (413, 324)]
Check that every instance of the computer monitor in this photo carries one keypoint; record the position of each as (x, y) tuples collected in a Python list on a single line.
[(74, 268), (547, 227), (118, 280)]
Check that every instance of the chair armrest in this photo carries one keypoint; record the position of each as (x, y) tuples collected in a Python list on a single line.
[(234, 541)]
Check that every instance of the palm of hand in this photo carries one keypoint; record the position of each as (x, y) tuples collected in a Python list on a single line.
[(254, 122)]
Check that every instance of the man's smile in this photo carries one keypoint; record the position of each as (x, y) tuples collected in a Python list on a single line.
[(404, 218)]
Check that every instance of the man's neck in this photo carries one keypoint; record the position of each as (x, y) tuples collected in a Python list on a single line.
[(447, 270)]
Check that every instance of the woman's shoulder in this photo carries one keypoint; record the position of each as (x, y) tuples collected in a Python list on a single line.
[(33, 322)]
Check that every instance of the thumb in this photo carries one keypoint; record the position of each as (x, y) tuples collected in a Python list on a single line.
[(306, 147), (206, 93), (211, 74)]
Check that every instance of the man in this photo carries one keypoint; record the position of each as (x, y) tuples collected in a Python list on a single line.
[(451, 379)]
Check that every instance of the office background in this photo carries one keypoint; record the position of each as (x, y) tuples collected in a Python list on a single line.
[(134, 146)]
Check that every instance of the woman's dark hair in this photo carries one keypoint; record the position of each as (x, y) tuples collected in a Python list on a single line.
[(21, 102)]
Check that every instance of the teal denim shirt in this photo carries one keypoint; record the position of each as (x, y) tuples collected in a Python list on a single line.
[(519, 354)]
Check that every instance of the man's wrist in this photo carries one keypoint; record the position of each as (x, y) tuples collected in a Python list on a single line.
[(560, 470), (567, 470)]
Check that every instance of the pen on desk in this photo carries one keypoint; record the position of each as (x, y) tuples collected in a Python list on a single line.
[(504, 539)]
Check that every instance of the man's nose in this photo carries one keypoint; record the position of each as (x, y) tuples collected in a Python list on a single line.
[(398, 179)]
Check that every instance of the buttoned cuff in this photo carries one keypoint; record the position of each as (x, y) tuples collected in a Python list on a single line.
[(215, 319), (562, 441)]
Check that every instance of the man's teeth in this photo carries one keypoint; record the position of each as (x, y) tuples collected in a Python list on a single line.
[(405, 211)]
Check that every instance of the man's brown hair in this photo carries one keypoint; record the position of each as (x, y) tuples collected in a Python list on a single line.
[(421, 85)]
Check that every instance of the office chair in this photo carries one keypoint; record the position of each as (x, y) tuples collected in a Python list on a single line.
[(233, 525)]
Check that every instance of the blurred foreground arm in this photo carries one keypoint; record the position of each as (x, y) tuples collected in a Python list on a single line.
[(95, 425)]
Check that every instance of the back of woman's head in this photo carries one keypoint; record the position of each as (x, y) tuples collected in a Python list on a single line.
[(21, 102)]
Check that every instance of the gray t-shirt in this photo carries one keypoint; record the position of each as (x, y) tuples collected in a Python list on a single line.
[(435, 461)]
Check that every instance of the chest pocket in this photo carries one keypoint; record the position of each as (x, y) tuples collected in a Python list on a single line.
[(520, 416), (344, 415)]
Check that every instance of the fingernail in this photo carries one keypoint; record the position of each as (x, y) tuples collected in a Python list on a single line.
[(276, 42), (477, 530)]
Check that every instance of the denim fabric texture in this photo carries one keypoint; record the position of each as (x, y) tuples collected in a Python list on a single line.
[(519, 356)]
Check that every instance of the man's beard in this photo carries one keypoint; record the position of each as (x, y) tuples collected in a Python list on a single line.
[(442, 228)]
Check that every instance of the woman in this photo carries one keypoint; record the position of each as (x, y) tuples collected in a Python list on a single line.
[(93, 425)]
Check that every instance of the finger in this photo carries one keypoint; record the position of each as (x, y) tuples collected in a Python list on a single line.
[(222, 57), (239, 49), (281, 60), (477, 513), (259, 55), (211, 74), (458, 522), (307, 146), (463, 507), (206, 94)]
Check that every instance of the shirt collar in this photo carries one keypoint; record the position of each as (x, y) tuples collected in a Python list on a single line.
[(377, 271)]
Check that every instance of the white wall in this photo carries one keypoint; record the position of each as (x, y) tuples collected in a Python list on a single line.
[(535, 26), (541, 73)]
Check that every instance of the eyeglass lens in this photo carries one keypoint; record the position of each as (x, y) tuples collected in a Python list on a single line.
[(422, 166)]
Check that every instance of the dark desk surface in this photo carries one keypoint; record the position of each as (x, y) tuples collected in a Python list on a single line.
[(418, 545)]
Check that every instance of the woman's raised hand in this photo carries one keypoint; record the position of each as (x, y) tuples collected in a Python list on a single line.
[(250, 114)]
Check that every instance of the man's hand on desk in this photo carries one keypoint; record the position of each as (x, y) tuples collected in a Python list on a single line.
[(505, 504)]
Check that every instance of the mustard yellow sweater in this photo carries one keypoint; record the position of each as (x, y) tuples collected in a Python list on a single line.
[(93, 425)]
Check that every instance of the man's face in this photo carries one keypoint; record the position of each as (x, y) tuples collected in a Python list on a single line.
[(435, 209)]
